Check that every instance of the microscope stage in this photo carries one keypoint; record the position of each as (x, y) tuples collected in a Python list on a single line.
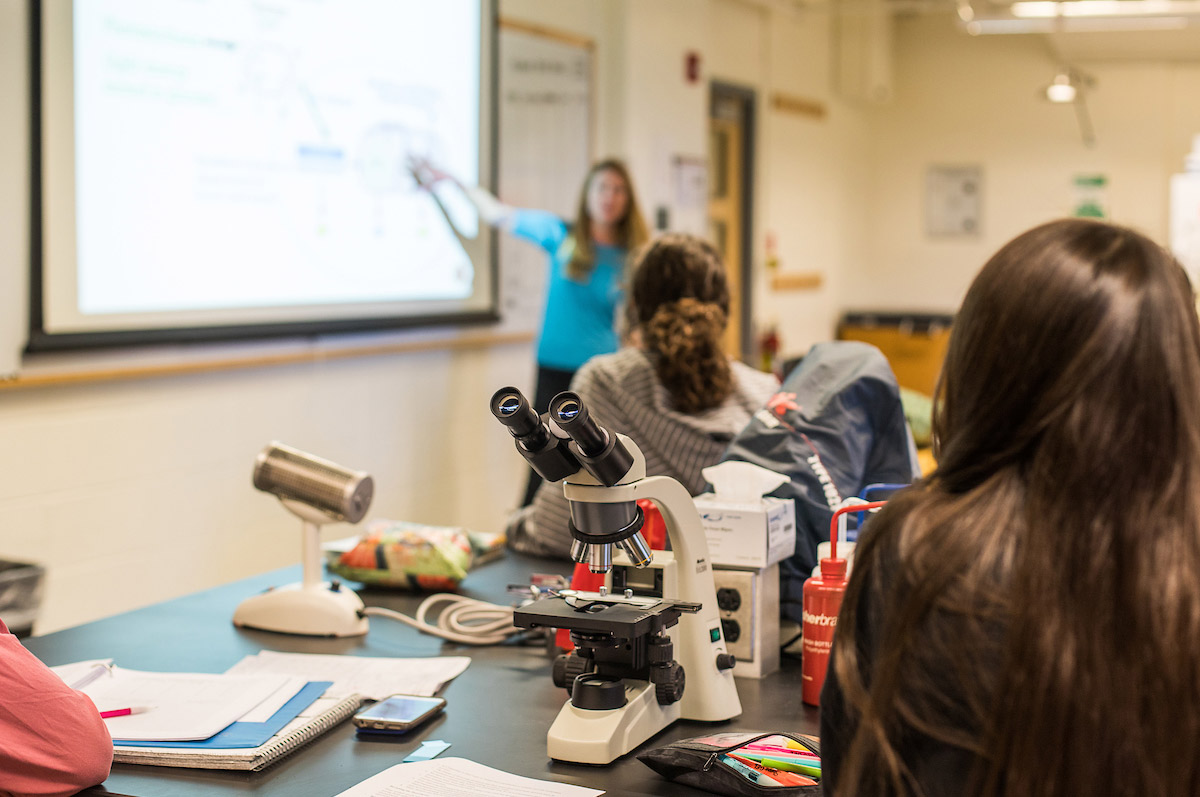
[(615, 617)]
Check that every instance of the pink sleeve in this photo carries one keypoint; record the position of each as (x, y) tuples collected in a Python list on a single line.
[(52, 740)]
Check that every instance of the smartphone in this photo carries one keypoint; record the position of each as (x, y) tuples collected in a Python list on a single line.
[(398, 713)]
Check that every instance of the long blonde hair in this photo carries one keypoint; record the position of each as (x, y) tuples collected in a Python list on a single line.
[(631, 229)]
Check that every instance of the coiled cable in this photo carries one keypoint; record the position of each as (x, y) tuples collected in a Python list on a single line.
[(465, 620)]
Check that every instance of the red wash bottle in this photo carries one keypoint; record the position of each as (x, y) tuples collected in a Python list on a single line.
[(822, 602)]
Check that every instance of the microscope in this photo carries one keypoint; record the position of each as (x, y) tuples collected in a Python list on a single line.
[(653, 628)]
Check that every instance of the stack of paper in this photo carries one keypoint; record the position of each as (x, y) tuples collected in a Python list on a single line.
[(170, 717), (370, 678), (264, 707)]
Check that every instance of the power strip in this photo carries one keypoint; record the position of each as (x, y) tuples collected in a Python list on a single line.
[(748, 602)]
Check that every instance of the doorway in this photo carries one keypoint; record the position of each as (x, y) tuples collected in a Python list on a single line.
[(730, 204)]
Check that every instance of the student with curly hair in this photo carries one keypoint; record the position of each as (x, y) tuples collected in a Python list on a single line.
[(674, 391)]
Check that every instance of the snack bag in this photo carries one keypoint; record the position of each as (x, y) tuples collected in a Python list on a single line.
[(408, 555)]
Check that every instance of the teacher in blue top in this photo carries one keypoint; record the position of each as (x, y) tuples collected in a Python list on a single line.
[(587, 268)]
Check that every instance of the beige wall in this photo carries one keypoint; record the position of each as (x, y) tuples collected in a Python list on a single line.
[(963, 100)]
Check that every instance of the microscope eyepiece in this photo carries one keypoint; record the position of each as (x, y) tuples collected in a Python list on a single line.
[(512, 409), (572, 416), (509, 404)]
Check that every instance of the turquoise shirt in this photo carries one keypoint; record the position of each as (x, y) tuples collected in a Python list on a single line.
[(580, 317)]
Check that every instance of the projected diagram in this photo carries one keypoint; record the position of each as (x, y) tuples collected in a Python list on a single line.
[(224, 160)]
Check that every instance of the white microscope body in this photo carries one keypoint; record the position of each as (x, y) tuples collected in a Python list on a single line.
[(649, 647), (592, 736)]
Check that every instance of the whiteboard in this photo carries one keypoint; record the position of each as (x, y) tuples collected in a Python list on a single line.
[(545, 149)]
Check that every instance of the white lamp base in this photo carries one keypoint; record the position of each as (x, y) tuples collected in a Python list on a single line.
[(312, 610)]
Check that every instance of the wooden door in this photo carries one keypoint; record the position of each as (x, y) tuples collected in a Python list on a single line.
[(729, 224)]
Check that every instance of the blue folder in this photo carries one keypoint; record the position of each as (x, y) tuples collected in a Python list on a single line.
[(249, 734)]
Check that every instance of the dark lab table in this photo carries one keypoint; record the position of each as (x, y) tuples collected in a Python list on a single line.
[(497, 714)]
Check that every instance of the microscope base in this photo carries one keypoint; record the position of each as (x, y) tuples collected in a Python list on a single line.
[(310, 610), (584, 736)]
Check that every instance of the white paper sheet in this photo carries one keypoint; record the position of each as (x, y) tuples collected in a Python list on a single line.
[(457, 777), (272, 703), (183, 706), (372, 678)]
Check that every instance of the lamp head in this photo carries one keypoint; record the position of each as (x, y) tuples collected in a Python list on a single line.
[(299, 478)]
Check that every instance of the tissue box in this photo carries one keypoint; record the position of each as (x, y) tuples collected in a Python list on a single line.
[(752, 535)]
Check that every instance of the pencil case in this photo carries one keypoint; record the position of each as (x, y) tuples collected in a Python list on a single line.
[(741, 763)]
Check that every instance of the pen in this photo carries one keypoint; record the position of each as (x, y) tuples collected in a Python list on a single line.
[(124, 712), (95, 672), (749, 772)]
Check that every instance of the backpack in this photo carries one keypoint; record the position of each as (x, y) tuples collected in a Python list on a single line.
[(835, 426)]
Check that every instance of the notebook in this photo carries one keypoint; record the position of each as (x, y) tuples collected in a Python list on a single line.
[(248, 731), (322, 715)]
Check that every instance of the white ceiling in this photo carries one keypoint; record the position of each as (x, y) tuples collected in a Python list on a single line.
[(1106, 45), (1125, 45), (1146, 45)]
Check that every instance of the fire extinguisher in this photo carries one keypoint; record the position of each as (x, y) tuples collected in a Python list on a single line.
[(822, 601)]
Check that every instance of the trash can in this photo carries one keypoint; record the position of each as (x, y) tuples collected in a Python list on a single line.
[(20, 595)]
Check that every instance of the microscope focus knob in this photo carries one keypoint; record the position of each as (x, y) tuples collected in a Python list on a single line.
[(669, 681), (566, 668), (660, 650), (725, 661)]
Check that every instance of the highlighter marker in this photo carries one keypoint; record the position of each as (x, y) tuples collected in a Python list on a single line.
[(758, 747), (779, 776), (789, 763), (782, 742), (124, 712), (750, 774)]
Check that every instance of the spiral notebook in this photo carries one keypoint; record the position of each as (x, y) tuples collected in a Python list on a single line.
[(322, 715)]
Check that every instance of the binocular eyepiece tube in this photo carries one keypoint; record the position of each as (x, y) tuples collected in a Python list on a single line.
[(595, 526), (512, 409), (572, 416), (603, 454), (546, 453)]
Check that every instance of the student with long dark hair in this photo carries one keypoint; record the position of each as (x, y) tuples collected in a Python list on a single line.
[(674, 390), (587, 260), (1026, 621)]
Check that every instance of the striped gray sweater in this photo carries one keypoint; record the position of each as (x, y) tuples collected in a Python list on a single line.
[(623, 395)]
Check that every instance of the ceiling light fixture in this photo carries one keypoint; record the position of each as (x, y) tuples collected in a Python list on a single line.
[(1061, 89), (1047, 9), (1078, 16), (1070, 86)]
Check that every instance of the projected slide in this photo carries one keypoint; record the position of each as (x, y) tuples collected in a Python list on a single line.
[(253, 154)]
